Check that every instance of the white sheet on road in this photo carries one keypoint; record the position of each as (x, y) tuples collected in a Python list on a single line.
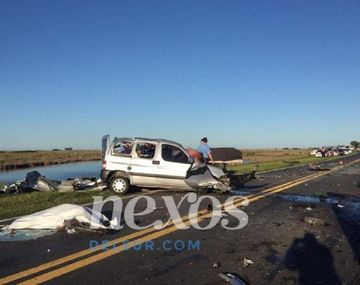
[(54, 218)]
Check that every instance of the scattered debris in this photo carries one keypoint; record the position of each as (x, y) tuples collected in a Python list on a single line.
[(35, 181), (247, 262), (236, 180), (314, 221), (71, 231), (201, 176), (308, 208), (207, 176), (220, 214), (158, 208), (277, 224), (320, 195), (217, 265), (317, 167), (233, 278)]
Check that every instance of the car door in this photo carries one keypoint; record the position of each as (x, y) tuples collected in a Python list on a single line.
[(143, 168), (116, 160), (172, 167)]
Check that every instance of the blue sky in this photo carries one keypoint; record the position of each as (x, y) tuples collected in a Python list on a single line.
[(250, 74)]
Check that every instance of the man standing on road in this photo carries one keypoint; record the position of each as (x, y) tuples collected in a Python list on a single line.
[(205, 150)]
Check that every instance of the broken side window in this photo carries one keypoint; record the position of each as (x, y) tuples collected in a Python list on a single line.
[(122, 148), (173, 154), (145, 150)]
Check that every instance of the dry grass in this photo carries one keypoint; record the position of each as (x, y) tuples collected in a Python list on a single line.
[(263, 155), (266, 160)]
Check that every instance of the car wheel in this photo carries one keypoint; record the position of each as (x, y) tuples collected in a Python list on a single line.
[(119, 185)]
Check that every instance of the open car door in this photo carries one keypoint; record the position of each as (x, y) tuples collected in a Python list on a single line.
[(105, 143)]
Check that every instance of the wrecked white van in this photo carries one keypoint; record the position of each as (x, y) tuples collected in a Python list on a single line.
[(148, 163), (159, 163)]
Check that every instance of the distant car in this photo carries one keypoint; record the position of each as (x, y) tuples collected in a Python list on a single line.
[(318, 154), (344, 150), (350, 147)]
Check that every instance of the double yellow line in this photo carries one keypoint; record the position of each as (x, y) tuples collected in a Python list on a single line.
[(89, 256)]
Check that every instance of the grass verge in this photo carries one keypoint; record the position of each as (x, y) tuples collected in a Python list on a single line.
[(28, 203), (272, 165)]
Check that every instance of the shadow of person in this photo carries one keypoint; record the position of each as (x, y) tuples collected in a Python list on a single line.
[(313, 260)]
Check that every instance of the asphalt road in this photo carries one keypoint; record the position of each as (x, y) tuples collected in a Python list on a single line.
[(283, 247)]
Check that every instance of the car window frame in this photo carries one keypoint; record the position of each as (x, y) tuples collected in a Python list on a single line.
[(135, 155), (181, 149), (118, 154)]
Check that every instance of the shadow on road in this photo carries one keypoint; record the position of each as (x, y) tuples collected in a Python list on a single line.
[(312, 260), (252, 187), (349, 221)]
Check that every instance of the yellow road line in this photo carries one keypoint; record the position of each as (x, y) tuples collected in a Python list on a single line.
[(285, 186), (65, 259), (59, 261), (95, 258), (62, 260), (87, 261), (151, 234), (267, 192)]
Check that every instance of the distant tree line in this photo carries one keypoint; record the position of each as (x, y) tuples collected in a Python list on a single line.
[(355, 144)]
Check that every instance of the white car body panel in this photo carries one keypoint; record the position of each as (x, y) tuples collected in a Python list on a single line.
[(146, 172)]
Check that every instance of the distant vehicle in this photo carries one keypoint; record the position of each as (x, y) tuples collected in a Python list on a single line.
[(333, 151), (350, 147), (318, 154), (343, 150), (148, 163)]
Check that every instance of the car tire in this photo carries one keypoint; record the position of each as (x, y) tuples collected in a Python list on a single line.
[(120, 185)]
